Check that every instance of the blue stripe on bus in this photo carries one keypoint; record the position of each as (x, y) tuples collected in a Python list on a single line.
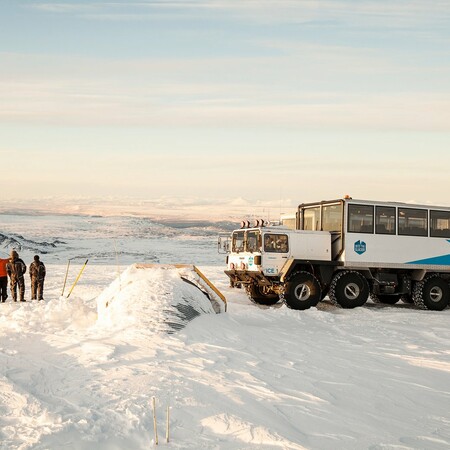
[(443, 260)]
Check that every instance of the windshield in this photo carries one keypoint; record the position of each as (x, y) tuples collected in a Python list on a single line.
[(238, 241), (252, 241), (246, 241)]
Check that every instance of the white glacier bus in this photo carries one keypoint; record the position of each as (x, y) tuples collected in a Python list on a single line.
[(347, 249)]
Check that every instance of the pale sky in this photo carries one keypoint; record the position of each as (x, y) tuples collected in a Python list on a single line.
[(277, 101)]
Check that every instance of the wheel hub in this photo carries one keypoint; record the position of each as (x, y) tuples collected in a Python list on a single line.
[(352, 291), (436, 294), (302, 292)]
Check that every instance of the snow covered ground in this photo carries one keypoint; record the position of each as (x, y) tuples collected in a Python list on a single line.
[(264, 378)]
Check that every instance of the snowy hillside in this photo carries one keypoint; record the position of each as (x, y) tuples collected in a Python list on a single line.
[(72, 377)]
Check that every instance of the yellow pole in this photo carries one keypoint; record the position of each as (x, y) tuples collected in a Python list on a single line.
[(220, 295), (65, 279), (78, 277)]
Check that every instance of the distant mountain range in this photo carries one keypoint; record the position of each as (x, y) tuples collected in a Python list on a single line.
[(163, 209)]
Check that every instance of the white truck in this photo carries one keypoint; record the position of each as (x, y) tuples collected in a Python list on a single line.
[(347, 249)]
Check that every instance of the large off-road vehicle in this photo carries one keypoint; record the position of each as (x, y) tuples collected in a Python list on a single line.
[(346, 249)]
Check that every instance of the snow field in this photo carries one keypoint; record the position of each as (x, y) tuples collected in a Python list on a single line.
[(72, 377)]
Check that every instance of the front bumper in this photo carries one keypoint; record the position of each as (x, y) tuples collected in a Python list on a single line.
[(247, 277)]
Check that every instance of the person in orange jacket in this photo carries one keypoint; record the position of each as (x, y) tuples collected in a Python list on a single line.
[(3, 279)]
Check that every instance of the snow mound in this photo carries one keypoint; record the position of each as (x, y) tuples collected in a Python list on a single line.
[(161, 299)]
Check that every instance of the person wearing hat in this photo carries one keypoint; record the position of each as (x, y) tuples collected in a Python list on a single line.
[(15, 270), (3, 280), (37, 274)]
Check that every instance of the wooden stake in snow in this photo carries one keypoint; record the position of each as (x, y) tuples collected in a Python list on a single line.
[(154, 421), (167, 425), (65, 279)]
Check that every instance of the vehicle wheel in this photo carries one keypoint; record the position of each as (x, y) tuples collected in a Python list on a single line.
[(261, 296), (432, 293), (349, 289), (302, 291), (388, 299)]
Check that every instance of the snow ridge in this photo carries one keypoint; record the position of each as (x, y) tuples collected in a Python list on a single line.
[(156, 299)]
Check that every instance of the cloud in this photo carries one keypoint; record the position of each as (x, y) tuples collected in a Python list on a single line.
[(296, 85), (380, 13), (218, 105), (68, 8)]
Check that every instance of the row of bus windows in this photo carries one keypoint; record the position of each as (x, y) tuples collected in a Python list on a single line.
[(411, 222)]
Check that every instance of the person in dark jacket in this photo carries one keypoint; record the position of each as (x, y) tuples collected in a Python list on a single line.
[(3, 279), (15, 270), (37, 275)]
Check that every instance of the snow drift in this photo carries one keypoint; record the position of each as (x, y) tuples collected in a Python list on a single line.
[(161, 299)]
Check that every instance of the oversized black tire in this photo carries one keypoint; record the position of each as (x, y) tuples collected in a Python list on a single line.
[(388, 299), (349, 289), (302, 291), (259, 295), (432, 293)]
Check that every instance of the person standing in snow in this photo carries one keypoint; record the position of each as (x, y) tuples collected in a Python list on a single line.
[(37, 275), (15, 270), (3, 279)]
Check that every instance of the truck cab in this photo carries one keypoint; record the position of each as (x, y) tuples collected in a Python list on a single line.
[(259, 257), (258, 249)]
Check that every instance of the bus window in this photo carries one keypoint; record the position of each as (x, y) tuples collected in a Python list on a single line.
[(412, 222), (311, 218), (331, 217), (385, 220), (360, 218), (440, 224)]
